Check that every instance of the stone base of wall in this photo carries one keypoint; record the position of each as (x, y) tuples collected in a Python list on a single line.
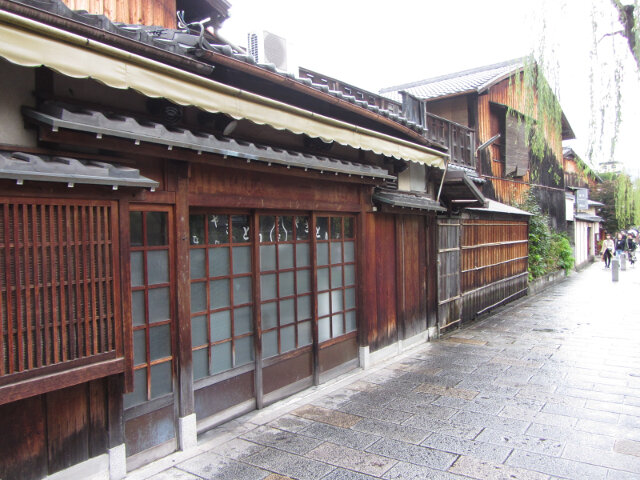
[(542, 283)]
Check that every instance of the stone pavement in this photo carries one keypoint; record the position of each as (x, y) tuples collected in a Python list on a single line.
[(545, 388)]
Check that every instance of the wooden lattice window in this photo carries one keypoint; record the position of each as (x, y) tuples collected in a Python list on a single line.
[(58, 283)]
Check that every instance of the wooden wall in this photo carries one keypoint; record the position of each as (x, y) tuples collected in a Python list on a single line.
[(47, 433), (158, 12), (494, 262)]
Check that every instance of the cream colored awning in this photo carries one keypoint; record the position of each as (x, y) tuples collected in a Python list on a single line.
[(32, 44)]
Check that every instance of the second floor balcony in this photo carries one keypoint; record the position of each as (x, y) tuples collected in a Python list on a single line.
[(457, 139)]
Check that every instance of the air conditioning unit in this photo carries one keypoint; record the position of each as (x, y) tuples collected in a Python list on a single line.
[(266, 47)]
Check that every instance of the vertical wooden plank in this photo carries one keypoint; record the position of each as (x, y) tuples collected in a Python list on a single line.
[(257, 320), (28, 285), (400, 275), (83, 245), (183, 285), (38, 264), (115, 416), (116, 293), (7, 295), (65, 281), (77, 322), (56, 282), (123, 234), (18, 260), (67, 427), (94, 302), (109, 278), (102, 308), (8, 283), (314, 300), (98, 438)]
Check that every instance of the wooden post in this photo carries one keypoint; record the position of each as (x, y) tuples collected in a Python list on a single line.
[(257, 318)]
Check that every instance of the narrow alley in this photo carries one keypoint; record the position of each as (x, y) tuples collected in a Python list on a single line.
[(545, 388)]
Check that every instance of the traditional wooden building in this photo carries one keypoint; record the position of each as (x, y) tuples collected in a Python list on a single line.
[(582, 221), (186, 236)]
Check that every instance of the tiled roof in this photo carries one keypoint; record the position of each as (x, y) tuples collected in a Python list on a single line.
[(476, 79), (187, 41)]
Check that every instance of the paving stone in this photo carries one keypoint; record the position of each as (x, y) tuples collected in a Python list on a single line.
[(468, 341), (343, 474), (372, 411), (288, 464), (627, 447), (529, 443), (431, 410), (582, 413), (290, 423), (482, 470), (556, 466), (482, 450), (565, 434), (282, 440), (325, 415), (237, 449), (409, 471), (554, 419), (174, 474), (502, 424), (211, 466), (393, 431), (341, 436), (275, 476), (413, 454), (431, 424), (357, 460), (619, 461), (465, 394), (619, 431)]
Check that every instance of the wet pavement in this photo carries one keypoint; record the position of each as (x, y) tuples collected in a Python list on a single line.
[(547, 387)]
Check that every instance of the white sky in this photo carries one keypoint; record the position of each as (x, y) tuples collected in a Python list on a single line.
[(374, 44)]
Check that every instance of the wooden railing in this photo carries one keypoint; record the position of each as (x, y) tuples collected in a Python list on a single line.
[(458, 139)]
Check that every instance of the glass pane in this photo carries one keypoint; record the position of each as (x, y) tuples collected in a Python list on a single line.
[(220, 326), (242, 321), (221, 357), (350, 298), (304, 334), (304, 307), (267, 257), (137, 269), (336, 277), (337, 325), (336, 252), (270, 344), (241, 260), (269, 315), (286, 284), (157, 267), (199, 334), (218, 229), (322, 228), (302, 228), (287, 312), (336, 301), (197, 263), (322, 253), (349, 252), (137, 308), (219, 291), (285, 229), (288, 338), (349, 275), (336, 227), (268, 286), (244, 350), (135, 226), (159, 342), (323, 304), (159, 304), (157, 228), (351, 321), (218, 261), (240, 229), (267, 229), (241, 290), (348, 227), (196, 229), (200, 363), (302, 255), (139, 394), (303, 279), (198, 297), (139, 347), (323, 279), (161, 379), (324, 329), (285, 256)]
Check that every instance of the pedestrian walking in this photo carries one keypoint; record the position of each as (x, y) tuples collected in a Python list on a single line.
[(607, 250), (620, 244), (630, 247)]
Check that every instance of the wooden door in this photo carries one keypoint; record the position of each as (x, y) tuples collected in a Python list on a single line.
[(449, 297), (149, 410)]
